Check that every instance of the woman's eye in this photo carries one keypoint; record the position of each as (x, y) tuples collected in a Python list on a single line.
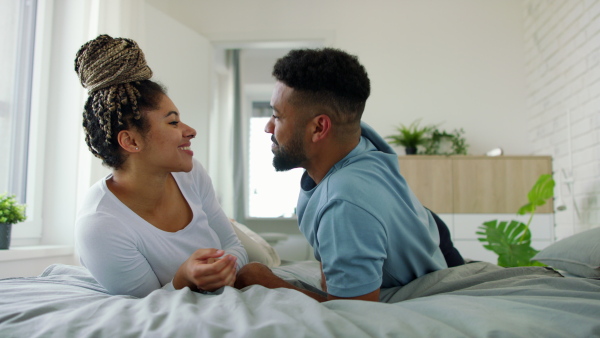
[(174, 123)]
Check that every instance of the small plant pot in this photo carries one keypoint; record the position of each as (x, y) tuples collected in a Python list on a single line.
[(410, 150), (5, 230)]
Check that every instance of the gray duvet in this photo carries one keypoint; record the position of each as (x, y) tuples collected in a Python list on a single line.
[(474, 300)]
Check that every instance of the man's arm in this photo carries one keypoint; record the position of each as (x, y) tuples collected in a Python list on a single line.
[(323, 280), (259, 274), (371, 296)]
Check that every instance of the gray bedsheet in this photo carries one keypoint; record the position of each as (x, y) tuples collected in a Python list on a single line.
[(474, 300)]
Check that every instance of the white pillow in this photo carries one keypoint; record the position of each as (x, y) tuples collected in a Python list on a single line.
[(257, 248), (578, 254)]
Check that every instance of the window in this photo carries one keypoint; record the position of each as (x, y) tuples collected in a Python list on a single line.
[(259, 191), (17, 36), (271, 193)]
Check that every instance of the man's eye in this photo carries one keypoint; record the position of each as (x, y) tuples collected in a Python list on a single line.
[(275, 117), (174, 123)]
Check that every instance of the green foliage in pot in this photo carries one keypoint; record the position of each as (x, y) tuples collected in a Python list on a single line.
[(10, 211), (511, 240), (457, 143), (411, 135)]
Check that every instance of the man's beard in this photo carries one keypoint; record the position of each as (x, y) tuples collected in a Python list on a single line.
[(289, 157)]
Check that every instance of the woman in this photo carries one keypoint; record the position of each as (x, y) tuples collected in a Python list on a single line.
[(154, 221)]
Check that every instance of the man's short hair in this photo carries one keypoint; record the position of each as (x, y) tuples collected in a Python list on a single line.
[(326, 77)]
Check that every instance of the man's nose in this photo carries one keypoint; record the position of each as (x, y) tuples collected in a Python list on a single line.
[(269, 126)]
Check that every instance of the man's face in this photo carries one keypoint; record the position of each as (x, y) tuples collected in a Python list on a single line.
[(287, 132)]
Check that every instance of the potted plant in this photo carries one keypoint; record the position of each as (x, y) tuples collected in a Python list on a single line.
[(444, 143), (410, 136), (511, 240), (10, 213)]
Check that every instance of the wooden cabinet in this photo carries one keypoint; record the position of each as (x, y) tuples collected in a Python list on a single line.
[(430, 178), (474, 184), (466, 191)]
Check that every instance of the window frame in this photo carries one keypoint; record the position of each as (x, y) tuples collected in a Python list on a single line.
[(30, 231), (21, 100), (250, 93)]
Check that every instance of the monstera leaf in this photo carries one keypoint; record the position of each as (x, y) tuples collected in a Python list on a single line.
[(541, 191), (511, 241)]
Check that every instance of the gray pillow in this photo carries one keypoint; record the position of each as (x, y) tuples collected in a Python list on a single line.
[(578, 254)]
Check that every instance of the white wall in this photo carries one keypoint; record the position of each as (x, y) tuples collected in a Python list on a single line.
[(563, 102), (63, 126), (456, 62), (181, 59)]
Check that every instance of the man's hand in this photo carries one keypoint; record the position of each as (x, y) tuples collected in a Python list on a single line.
[(206, 269)]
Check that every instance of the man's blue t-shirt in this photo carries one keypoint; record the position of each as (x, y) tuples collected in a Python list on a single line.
[(364, 223)]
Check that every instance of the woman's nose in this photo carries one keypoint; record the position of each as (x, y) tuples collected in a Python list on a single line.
[(190, 132)]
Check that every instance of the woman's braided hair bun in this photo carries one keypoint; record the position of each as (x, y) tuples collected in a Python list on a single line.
[(107, 61), (116, 75)]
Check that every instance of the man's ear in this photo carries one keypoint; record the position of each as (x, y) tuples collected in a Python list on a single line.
[(321, 127), (128, 140)]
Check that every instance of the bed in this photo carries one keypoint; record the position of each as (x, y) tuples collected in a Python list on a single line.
[(475, 300)]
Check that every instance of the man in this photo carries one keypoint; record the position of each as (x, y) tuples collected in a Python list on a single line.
[(365, 225)]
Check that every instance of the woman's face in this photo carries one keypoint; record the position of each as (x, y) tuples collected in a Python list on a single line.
[(167, 144)]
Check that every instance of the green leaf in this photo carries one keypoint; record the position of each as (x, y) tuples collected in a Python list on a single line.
[(527, 208), (511, 241), (541, 191), (410, 136), (518, 255), (10, 211)]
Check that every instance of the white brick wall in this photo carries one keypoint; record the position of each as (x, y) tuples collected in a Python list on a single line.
[(562, 39)]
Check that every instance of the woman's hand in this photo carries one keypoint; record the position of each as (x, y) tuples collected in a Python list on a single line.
[(205, 270)]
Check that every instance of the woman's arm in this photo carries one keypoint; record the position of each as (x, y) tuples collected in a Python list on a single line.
[(217, 219), (108, 251)]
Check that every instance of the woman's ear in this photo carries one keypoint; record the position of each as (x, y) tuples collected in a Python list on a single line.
[(128, 140), (321, 127)]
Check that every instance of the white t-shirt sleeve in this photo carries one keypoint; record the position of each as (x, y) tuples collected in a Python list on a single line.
[(169, 286), (217, 219), (109, 251)]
